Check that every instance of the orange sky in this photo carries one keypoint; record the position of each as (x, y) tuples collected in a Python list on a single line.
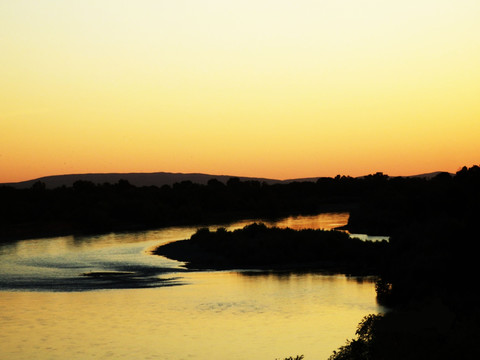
[(276, 89)]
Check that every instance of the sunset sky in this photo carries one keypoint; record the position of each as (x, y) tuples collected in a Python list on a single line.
[(279, 89)]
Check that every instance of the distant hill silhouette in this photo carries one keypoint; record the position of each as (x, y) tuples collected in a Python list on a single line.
[(159, 179), (430, 175), (138, 179), (426, 176)]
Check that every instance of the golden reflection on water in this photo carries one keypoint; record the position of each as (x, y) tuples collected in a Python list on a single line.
[(64, 244), (326, 221), (220, 315), (215, 315)]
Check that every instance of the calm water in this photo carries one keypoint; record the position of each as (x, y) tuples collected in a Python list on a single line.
[(138, 306)]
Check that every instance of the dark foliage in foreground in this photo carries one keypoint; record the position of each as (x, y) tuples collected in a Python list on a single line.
[(430, 281), (257, 246), (427, 331)]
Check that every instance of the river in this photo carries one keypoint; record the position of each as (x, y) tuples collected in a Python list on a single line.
[(106, 296)]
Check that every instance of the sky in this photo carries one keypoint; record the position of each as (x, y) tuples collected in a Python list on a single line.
[(265, 88)]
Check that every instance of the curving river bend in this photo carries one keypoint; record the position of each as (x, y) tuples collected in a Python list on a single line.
[(100, 297)]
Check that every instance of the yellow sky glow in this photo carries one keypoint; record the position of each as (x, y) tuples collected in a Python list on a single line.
[(279, 89)]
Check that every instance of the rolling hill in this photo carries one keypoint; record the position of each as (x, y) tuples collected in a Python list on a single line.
[(155, 179)]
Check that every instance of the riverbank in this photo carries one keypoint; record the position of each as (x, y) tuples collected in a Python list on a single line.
[(88, 208)]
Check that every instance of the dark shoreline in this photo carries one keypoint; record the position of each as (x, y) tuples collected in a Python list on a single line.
[(49, 230), (87, 208)]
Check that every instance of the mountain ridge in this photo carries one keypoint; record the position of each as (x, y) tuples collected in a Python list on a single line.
[(137, 179), (157, 179)]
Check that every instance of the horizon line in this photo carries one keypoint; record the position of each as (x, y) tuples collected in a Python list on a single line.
[(216, 175)]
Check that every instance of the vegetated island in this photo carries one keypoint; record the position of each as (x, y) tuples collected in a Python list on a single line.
[(257, 246)]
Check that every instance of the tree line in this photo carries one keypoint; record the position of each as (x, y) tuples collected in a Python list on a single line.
[(378, 204), (86, 207)]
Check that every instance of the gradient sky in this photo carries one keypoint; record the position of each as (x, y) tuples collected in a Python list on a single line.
[(279, 89)]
